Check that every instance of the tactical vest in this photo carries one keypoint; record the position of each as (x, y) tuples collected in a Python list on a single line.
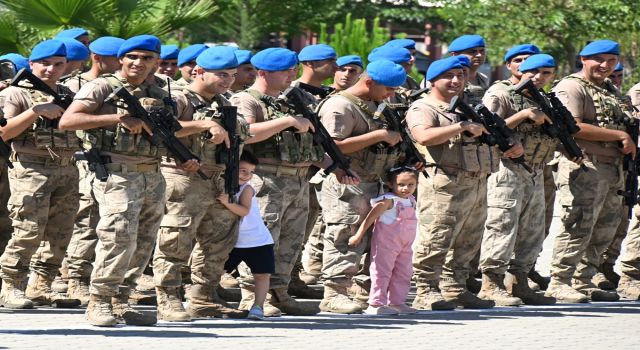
[(76, 75), (378, 158), (473, 93), (120, 140), (287, 145), (200, 145), (538, 146), (47, 138), (461, 152)]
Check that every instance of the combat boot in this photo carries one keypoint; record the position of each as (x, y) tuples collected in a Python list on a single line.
[(359, 294), (300, 289), (517, 285), (248, 299), (99, 311), (629, 288), (563, 293), (465, 299), (12, 296), (601, 281), (473, 285), (60, 285), (279, 298), (607, 269), (312, 271), (542, 282), (169, 305), (203, 303), (493, 289), (79, 289), (593, 292), (428, 297), (124, 313), (40, 293), (228, 281), (229, 294), (336, 300)]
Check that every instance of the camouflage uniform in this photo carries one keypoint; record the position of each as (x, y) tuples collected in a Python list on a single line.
[(452, 205), (5, 222), (590, 204)]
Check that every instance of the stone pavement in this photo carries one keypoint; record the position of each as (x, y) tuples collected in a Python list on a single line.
[(585, 326)]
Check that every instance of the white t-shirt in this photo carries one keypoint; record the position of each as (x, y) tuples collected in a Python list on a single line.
[(253, 231), (389, 215)]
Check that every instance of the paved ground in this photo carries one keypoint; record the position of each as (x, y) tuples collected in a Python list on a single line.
[(586, 326)]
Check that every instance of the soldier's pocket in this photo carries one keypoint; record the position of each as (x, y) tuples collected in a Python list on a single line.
[(22, 205), (440, 180), (172, 232)]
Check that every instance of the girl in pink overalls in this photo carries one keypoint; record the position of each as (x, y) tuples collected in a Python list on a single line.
[(394, 218)]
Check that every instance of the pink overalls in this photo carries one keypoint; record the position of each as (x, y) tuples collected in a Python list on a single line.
[(391, 254)]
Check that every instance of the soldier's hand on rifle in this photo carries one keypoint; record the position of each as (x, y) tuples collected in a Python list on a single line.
[(392, 137), (345, 179), (303, 124), (134, 125), (538, 117), (474, 129), (515, 151), (192, 165), (628, 146), (48, 110), (219, 135)]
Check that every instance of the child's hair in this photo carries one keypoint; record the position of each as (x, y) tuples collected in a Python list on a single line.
[(248, 157), (393, 173)]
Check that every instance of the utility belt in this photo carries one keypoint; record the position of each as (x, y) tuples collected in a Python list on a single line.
[(46, 161), (596, 158), (283, 170), (125, 168), (452, 170), (213, 175)]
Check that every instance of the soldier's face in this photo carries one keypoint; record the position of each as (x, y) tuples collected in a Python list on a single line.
[(246, 75), (449, 83), (616, 78), (108, 64), (84, 39), (515, 63), (217, 81), (73, 66), (325, 68), (477, 56), (168, 68), (49, 69), (379, 92), (187, 70), (599, 67), (280, 80), (540, 77), (347, 75), (138, 63)]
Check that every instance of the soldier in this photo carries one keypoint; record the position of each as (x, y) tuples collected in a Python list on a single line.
[(81, 248), (192, 210), (410, 84), (281, 176), (617, 76), (131, 199), (77, 54), (513, 235), (589, 201), (348, 73), (318, 64), (43, 183), (401, 56), (168, 64), (246, 72), (453, 199), (349, 118), (473, 47), (187, 61), (80, 34)]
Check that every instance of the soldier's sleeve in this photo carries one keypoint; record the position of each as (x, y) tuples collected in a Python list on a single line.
[(337, 118), (93, 94), (634, 93), (247, 106), (497, 102), (14, 102), (572, 95), (183, 107), (420, 115)]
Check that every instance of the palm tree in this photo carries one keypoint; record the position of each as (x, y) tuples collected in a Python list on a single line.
[(25, 22)]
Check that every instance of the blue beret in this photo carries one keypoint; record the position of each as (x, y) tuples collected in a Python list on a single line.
[(601, 46), (106, 46), (618, 68), (390, 53), (523, 49), (439, 67), (190, 53), (387, 73), (48, 48), (18, 61), (275, 59), (72, 33), (404, 43), (466, 42), (169, 52), (464, 60), (349, 59), (217, 57), (76, 51), (541, 60), (316, 53), (143, 42), (243, 56)]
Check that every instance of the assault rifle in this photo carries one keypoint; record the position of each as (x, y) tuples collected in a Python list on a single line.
[(5, 150), (322, 91), (230, 157), (499, 134), (631, 165), (35, 83), (161, 122), (394, 122), (562, 125), (292, 98)]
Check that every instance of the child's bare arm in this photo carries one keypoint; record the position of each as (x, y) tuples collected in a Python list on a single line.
[(243, 206), (375, 212)]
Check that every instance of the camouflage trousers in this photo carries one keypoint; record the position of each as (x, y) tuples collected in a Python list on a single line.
[(131, 206), (43, 198), (451, 214), (590, 214), (315, 223), (549, 195), (630, 260), (192, 212), (284, 206), (344, 207), (613, 251), (513, 233), (82, 247), (5, 222)]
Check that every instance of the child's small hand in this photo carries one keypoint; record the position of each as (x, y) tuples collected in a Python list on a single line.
[(223, 198), (354, 241)]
